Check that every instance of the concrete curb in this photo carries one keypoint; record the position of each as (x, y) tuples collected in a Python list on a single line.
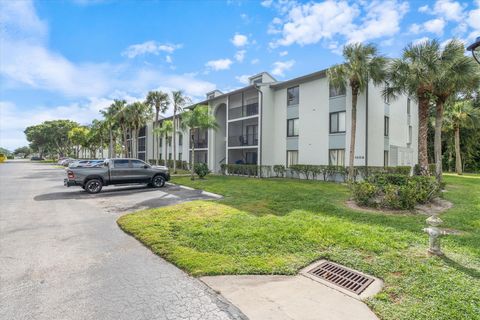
[(203, 192)]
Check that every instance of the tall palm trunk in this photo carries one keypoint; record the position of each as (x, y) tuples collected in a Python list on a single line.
[(174, 139), (353, 133), (125, 142), (192, 158), (422, 135), (166, 151), (458, 156), (438, 139), (155, 135), (110, 146)]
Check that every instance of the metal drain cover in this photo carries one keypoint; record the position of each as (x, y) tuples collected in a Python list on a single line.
[(342, 277)]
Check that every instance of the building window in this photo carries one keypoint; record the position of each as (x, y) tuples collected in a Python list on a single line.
[(180, 139), (386, 123), (337, 122), (292, 157), (336, 157), (169, 141), (170, 156), (408, 106), (410, 133), (386, 98), (336, 91), (292, 96), (292, 127), (179, 156), (385, 158), (257, 80)]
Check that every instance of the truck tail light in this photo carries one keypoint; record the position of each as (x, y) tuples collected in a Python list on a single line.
[(70, 175)]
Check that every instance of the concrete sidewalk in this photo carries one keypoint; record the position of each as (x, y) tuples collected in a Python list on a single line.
[(288, 298)]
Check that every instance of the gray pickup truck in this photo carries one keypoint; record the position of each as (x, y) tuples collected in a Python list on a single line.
[(116, 171)]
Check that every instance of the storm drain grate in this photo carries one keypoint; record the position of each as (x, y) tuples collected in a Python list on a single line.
[(342, 277)]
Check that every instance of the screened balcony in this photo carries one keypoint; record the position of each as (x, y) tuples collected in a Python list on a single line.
[(243, 104), (243, 133), (200, 138)]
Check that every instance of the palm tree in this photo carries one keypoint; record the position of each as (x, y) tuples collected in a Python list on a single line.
[(138, 116), (110, 115), (362, 63), (414, 75), (456, 73), (179, 102), (165, 130), (196, 119), (458, 115), (160, 101), (123, 118)]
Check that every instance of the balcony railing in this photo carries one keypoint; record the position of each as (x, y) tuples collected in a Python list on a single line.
[(243, 111), (202, 143), (243, 140)]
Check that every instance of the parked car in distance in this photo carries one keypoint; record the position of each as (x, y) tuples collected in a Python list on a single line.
[(115, 172), (65, 162), (35, 158), (85, 163)]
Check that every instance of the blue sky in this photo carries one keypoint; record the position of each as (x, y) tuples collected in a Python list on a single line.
[(69, 59)]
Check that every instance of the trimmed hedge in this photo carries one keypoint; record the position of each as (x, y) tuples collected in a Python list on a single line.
[(250, 170), (395, 191)]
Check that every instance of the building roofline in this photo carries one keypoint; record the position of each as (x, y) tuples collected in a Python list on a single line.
[(301, 79)]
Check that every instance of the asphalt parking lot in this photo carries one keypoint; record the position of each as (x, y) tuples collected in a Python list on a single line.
[(62, 255)]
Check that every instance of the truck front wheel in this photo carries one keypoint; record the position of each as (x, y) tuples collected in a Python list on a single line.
[(158, 181), (93, 186)]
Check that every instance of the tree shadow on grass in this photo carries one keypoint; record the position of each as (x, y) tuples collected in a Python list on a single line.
[(454, 264)]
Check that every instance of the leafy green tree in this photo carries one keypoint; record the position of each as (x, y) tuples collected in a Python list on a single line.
[(362, 64), (414, 74), (22, 151), (51, 137), (461, 114), (159, 101), (179, 102), (123, 119), (78, 137), (456, 73), (165, 130), (196, 119)]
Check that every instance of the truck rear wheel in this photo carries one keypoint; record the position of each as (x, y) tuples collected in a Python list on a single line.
[(93, 186)]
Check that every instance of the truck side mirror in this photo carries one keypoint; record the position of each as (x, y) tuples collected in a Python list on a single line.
[(145, 166)]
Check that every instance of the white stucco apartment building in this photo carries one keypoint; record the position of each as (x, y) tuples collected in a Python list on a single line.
[(299, 121)]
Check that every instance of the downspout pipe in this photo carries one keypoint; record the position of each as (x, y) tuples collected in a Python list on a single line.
[(366, 127), (257, 87)]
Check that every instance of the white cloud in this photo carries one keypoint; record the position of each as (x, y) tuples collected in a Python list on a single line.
[(255, 61), (149, 47), (283, 53), (423, 9), (240, 55), (280, 67), (415, 28), (420, 40), (435, 26), (243, 79), (382, 19), (449, 10), (312, 22), (168, 59), (239, 40), (266, 3), (220, 64)]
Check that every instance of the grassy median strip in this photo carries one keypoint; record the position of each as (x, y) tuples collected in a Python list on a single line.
[(276, 226)]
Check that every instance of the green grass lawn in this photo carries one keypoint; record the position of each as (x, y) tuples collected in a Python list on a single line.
[(277, 226)]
